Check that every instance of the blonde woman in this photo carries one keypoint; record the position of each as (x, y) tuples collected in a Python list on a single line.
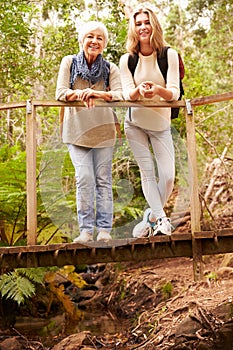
[(148, 129), (90, 132)]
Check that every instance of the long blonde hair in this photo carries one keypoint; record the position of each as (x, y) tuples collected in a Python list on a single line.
[(157, 41)]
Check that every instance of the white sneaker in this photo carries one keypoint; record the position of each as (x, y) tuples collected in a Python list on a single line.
[(163, 226), (104, 236), (84, 238), (144, 228)]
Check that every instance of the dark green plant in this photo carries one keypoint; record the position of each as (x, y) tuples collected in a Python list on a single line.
[(167, 289), (20, 284)]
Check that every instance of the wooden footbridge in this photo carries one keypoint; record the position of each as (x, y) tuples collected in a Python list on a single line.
[(194, 244)]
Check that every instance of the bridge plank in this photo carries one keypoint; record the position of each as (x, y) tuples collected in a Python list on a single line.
[(119, 250)]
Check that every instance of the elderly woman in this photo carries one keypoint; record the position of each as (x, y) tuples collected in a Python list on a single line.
[(90, 132)]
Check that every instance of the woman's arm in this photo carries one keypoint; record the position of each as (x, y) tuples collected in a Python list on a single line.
[(173, 74), (130, 91), (63, 80)]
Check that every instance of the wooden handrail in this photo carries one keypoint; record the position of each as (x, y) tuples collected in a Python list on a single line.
[(212, 99), (100, 103), (12, 105)]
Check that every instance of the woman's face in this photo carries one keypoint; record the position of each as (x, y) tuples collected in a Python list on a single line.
[(93, 44), (143, 27)]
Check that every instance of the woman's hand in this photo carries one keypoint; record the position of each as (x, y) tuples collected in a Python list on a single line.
[(85, 94), (148, 89), (89, 95)]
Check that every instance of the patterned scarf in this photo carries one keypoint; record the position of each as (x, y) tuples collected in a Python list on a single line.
[(99, 70)]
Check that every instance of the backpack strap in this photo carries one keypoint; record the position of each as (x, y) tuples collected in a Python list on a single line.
[(162, 62), (132, 62)]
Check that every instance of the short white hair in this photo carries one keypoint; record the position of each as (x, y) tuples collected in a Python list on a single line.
[(92, 25)]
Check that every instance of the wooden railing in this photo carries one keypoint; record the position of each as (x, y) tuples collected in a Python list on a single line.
[(31, 149)]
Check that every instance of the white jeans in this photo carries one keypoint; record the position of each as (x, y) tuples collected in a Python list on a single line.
[(153, 149)]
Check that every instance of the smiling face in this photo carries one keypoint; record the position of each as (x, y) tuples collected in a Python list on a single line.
[(93, 44), (143, 27)]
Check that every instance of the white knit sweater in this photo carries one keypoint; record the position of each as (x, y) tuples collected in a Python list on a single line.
[(147, 69)]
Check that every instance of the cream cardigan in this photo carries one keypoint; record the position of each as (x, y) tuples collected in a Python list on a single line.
[(81, 126)]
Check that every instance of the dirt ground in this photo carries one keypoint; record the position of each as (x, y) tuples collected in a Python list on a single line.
[(160, 307), (164, 303)]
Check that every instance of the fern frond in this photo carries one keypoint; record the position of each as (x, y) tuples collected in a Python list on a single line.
[(35, 275), (16, 287)]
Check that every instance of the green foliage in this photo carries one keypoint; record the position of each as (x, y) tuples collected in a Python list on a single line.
[(116, 24), (64, 8), (13, 201), (13, 192), (123, 290), (211, 276), (19, 284), (167, 289), (16, 53)]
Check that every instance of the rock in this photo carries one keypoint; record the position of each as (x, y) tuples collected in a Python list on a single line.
[(75, 342), (86, 294), (188, 326), (11, 344), (225, 336), (205, 346), (223, 311)]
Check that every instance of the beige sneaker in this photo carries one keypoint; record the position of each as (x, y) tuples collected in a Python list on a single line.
[(104, 236), (84, 238)]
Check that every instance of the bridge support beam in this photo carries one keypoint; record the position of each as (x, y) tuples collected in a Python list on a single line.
[(194, 192), (31, 173)]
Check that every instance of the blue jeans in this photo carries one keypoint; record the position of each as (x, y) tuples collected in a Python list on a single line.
[(94, 198)]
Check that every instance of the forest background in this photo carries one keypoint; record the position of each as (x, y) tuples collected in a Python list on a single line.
[(34, 36)]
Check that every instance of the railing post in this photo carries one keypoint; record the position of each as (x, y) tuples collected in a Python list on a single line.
[(194, 192), (31, 173)]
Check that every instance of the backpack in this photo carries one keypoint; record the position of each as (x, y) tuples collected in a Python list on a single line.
[(163, 66)]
